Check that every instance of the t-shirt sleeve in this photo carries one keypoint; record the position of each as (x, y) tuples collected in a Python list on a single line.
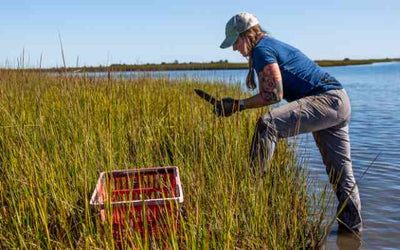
[(263, 56)]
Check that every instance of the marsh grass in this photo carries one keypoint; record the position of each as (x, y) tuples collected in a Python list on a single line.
[(58, 133)]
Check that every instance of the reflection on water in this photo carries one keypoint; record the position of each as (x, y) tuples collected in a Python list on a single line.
[(347, 240), (374, 92)]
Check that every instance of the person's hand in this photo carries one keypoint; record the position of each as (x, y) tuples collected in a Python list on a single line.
[(227, 106)]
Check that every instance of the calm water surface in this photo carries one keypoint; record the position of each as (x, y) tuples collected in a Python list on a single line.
[(374, 92)]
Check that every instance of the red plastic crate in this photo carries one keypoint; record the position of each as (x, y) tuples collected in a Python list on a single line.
[(143, 200)]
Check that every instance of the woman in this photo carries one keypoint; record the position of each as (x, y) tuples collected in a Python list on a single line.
[(317, 103)]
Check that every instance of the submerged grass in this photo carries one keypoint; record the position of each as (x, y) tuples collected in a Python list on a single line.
[(58, 133)]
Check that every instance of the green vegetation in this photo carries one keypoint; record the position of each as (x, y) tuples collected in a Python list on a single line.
[(222, 64), (152, 67), (58, 133), (347, 61)]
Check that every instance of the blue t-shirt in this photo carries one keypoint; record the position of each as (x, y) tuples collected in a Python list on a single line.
[(300, 75)]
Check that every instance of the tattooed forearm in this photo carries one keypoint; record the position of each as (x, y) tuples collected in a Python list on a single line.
[(271, 89), (270, 86), (271, 96), (268, 82)]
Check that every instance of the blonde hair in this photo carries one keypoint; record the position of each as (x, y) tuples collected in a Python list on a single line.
[(252, 36)]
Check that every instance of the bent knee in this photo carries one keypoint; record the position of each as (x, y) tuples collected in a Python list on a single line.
[(266, 126)]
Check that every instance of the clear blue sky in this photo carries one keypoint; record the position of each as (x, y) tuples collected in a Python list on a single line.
[(154, 31)]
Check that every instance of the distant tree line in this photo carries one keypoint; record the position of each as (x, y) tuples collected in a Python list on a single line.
[(212, 65)]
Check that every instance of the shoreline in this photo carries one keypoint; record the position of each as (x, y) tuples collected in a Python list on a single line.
[(221, 65)]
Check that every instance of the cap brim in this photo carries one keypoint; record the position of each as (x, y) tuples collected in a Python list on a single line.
[(228, 42)]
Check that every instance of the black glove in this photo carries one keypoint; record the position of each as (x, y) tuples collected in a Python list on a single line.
[(227, 106)]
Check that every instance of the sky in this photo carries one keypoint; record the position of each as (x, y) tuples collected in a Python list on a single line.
[(98, 32)]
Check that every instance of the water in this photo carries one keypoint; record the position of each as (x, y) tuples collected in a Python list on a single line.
[(374, 92), (374, 132)]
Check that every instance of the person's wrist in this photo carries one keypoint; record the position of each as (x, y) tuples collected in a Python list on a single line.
[(235, 106), (242, 105), (238, 105)]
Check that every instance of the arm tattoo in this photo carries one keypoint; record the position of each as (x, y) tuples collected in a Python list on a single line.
[(270, 84)]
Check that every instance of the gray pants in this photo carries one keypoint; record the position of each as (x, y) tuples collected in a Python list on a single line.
[(325, 115)]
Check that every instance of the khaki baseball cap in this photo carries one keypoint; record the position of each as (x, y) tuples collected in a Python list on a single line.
[(236, 25)]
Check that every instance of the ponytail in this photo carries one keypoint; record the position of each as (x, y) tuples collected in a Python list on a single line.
[(252, 36), (250, 81)]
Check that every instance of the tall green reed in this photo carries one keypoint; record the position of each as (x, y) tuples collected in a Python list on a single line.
[(57, 133)]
